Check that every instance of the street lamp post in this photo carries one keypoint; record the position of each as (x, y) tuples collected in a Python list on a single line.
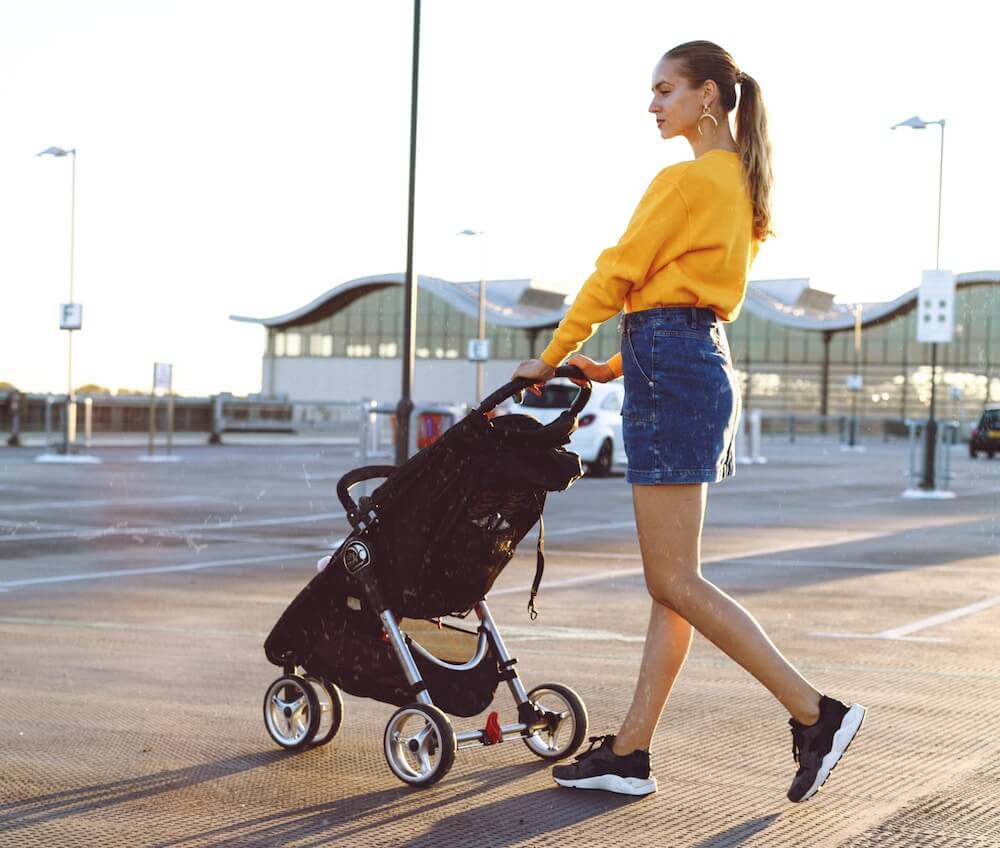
[(69, 431), (480, 364), (930, 443), (404, 409), (856, 388)]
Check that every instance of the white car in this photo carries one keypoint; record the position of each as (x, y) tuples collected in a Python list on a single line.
[(598, 438)]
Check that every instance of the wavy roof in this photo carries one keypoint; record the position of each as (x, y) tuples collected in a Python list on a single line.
[(791, 304), (516, 303), (510, 303)]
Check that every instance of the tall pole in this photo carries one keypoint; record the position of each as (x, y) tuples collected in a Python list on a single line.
[(405, 408), (481, 365), (856, 389), (930, 446), (69, 428)]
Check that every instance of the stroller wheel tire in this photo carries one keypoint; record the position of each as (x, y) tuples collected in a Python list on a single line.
[(568, 722), (291, 711), (419, 744), (331, 711)]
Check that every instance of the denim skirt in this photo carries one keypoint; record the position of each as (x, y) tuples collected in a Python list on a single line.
[(682, 402)]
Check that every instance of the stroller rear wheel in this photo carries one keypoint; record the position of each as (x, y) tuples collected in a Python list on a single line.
[(331, 709), (291, 711), (419, 744), (567, 721)]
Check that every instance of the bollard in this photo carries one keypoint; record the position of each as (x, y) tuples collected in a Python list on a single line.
[(49, 401), (170, 423), (741, 448), (14, 440), (367, 413), (755, 439), (88, 420), (216, 436)]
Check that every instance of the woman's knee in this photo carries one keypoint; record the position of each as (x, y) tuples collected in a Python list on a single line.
[(675, 591)]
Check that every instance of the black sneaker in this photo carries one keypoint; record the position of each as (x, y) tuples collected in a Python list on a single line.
[(818, 747), (602, 768)]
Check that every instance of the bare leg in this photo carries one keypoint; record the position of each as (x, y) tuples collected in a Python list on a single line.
[(668, 640), (669, 521)]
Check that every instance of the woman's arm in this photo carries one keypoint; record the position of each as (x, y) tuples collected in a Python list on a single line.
[(658, 233)]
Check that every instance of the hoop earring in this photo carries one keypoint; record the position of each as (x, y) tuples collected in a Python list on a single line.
[(706, 114)]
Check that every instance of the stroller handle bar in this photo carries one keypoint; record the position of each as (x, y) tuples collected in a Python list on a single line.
[(520, 384), (371, 472)]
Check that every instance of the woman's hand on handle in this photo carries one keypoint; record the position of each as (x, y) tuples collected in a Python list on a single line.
[(535, 370), (597, 372)]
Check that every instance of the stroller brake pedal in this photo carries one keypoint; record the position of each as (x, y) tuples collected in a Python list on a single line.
[(492, 733)]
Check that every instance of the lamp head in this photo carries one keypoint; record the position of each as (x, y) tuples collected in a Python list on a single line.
[(913, 122), (56, 151)]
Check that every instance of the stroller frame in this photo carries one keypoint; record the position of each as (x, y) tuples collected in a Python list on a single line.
[(419, 741), (531, 719)]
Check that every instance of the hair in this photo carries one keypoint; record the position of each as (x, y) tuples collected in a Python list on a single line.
[(701, 61)]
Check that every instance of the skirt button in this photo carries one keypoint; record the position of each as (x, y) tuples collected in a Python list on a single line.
[(651, 384)]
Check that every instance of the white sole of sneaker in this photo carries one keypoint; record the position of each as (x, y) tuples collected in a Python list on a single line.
[(613, 783), (849, 727)]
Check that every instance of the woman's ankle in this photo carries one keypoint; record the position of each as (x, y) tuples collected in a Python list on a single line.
[(624, 745)]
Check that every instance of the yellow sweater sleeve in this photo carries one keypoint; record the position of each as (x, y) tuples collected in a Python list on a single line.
[(658, 233)]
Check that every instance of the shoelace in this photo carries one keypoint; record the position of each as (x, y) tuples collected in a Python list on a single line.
[(797, 741), (593, 741)]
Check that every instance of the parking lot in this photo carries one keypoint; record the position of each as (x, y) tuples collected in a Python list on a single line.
[(135, 597)]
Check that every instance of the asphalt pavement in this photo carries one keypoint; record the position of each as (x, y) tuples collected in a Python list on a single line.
[(135, 597)]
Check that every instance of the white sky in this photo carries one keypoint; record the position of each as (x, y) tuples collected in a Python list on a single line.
[(243, 157)]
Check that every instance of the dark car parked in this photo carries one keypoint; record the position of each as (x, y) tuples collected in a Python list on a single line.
[(986, 434)]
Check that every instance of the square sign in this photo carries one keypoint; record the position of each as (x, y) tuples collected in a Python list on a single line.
[(855, 382), (162, 374), (479, 350), (70, 316), (936, 307)]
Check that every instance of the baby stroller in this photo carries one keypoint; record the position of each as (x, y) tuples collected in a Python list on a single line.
[(427, 544)]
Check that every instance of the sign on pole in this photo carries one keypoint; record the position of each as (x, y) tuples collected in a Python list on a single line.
[(855, 382), (479, 350), (70, 316), (936, 307), (162, 375)]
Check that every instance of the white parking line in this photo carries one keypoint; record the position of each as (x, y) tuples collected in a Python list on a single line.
[(132, 572), (717, 558), (110, 502), (902, 634), (940, 618), (168, 529)]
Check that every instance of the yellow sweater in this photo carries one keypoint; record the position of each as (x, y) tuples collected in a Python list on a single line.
[(689, 243)]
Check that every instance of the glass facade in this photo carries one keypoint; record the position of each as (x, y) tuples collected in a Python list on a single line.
[(372, 326), (780, 369)]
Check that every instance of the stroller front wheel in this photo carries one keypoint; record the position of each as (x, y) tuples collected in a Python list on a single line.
[(331, 709), (566, 721), (291, 712), (419, 744)]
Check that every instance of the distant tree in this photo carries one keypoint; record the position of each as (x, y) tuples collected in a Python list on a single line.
[(126, 392), (92, 389), (7, 387)]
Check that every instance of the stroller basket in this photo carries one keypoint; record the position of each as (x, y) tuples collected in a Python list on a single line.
[(429, 543)]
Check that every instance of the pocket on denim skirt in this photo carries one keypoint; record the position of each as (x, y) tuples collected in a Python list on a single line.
[(638, 371)]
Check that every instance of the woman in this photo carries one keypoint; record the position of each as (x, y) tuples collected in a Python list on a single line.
[(679, 272)]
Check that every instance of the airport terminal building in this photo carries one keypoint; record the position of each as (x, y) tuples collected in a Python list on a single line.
[(792, 346)]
